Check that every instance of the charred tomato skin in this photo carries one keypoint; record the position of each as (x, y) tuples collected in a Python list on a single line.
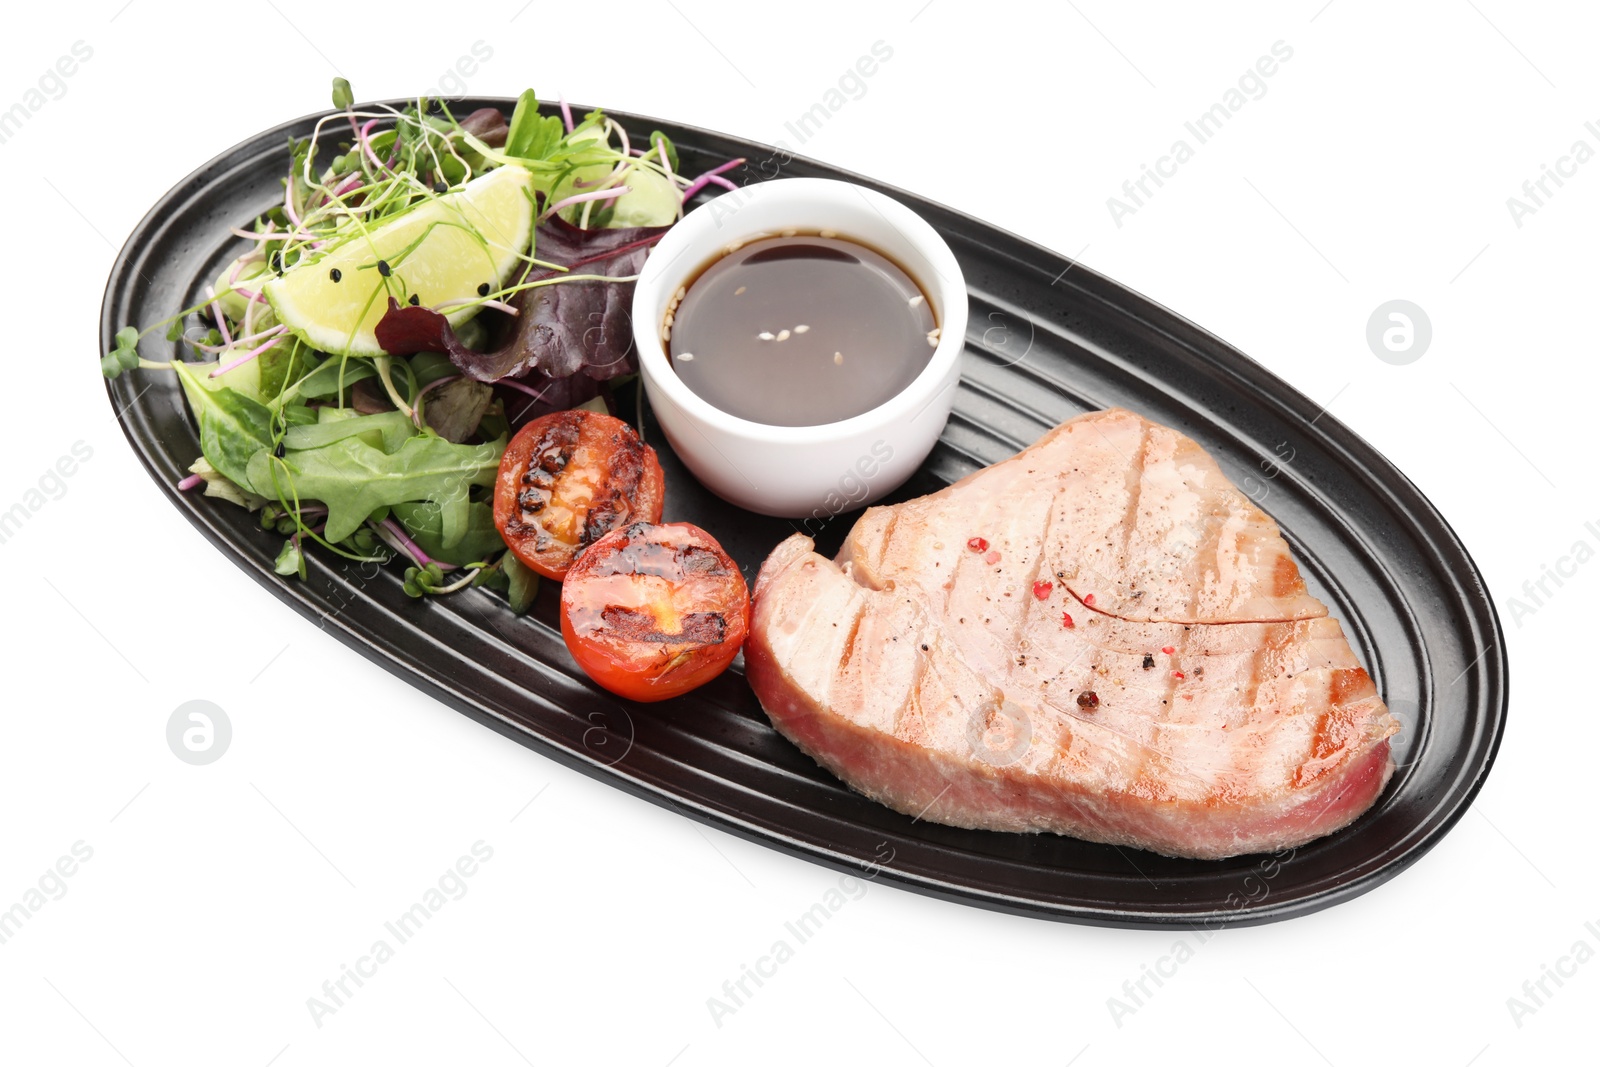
[(569, 478), (652, 611)]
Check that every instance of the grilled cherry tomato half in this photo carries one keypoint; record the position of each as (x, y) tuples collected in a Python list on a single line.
[(569, 478), (650, 612)]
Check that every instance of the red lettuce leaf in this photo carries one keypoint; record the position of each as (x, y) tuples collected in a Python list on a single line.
[(488, 125), (559, 329)]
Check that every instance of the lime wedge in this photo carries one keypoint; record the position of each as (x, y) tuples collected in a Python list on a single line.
[(443, 250)]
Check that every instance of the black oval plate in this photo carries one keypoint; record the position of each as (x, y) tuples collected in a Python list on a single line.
[(1048, 339)]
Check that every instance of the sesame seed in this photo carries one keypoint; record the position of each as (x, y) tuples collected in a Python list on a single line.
[(783, 335), (801, 329), (826, 233), (788, 233), (666, 333), (687, 357), (765, 335), (933, 342), (682, 289), (739, 291), (916, 300), (838, 359)]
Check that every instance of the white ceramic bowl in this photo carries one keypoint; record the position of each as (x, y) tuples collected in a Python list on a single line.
[(802, 472)]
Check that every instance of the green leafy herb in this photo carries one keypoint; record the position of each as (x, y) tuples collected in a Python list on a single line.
[(386, 430), (233, 427), (523, 583), (353, 479), (290, 561), (477, 539), (532, 136), (327, 379)]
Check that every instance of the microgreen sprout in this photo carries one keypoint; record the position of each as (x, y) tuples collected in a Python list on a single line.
[(291, 431)]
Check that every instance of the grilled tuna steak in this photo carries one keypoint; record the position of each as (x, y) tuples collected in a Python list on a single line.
[(1098, 637)]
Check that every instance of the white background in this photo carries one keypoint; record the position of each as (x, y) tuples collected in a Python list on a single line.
[(218, 899)]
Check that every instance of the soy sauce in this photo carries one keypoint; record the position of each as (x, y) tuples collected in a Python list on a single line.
[(801, 330)]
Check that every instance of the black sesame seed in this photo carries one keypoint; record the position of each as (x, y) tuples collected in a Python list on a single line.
[(277, 262), (413, 300), (335, 274), (383, 267), (483, 290), (440, 187), (279, 450), (1149, 661)]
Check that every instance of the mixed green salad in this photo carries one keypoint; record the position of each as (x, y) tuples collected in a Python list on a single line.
[(427, 284)]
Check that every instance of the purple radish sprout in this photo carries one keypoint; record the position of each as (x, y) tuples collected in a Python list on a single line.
[(267, 234), (222, 319), (566, 113), (408, 546), (366, 146), (578, 198), (256, 337), (252, 354), (717, 179), (498, 305), (416, 408), (238, 268), (274, 332), (189, 483), (288, 202), (705, 179), (354, 181)]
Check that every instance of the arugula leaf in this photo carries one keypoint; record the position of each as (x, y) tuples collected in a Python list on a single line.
[(388, 430), (233, 427), (325, 380), (353, 479)]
